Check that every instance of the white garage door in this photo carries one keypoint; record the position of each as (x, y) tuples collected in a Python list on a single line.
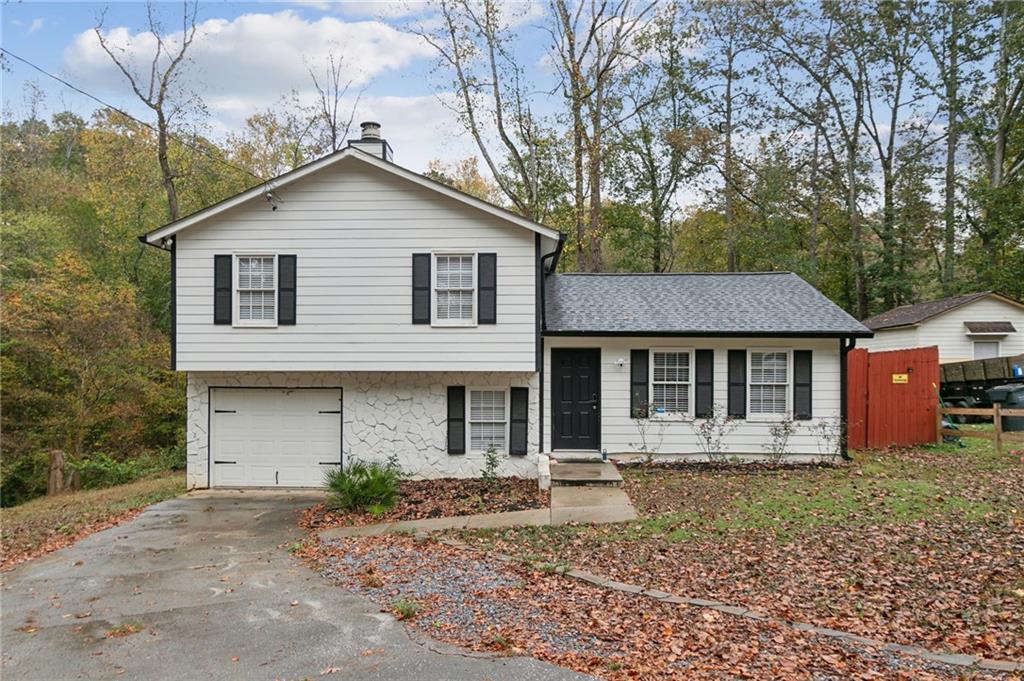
[(272, 437)]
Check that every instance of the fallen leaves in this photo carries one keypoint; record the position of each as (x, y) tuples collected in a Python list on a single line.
[(419, 499)]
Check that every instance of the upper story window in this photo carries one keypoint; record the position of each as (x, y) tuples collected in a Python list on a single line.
[(256, 288), (455, 289), (769, 382), (670, 382)]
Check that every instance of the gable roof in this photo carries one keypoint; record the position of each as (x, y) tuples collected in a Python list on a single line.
[(156, 236), (909, 315), (696, 304)]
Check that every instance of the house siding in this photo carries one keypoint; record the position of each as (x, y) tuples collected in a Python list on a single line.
[(354, 229), (948, 332), (619, 432), (384, 414)]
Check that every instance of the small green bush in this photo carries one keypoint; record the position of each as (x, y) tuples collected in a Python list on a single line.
[(363, 486), (102, 470), (24, 478), (405, 609)]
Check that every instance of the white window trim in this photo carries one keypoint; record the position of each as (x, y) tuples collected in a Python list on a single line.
[(671, 416), (769, 418), (457, 323), (236, 298), (974, 347), (508, 416)]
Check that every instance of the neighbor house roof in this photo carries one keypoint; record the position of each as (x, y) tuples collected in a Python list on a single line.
[(908, 315), (735, 304), (260, 191)]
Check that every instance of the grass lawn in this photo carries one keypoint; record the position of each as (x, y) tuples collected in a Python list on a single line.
[(49, 523), (920, 546)]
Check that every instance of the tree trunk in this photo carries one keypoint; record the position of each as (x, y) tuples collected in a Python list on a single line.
[(55, 481), (165, 165), (953, 111), (731, 259)]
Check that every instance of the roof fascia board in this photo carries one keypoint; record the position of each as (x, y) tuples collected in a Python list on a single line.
[(161, 233)]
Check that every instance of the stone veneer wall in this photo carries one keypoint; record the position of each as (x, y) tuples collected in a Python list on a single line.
[(383, 413)]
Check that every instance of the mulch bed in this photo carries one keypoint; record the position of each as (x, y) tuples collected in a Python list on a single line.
[(471, 599), (419, 499)]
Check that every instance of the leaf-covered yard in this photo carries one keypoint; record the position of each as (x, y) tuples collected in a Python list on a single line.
[(917, 547), (50, 523)]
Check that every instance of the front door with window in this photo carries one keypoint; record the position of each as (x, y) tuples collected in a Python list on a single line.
[(576, 398)]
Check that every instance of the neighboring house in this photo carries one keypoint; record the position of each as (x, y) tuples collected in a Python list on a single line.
[(972, 326), (353, 309)]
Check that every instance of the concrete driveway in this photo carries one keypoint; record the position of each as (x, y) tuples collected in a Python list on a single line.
[(206, 578)]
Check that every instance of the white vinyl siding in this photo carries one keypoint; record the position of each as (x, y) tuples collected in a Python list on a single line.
[(768, 383), (454, 289), (256, 290), (677, 436), (487, 419), (353, 230), (671, 382), (947, 331)]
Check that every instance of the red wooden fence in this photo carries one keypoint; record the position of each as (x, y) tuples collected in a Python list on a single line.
[(891, 397)]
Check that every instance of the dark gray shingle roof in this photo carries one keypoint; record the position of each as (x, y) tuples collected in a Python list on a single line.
[(770, 303), (905, 315)]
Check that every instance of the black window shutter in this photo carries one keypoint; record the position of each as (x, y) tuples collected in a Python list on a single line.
[(222, 289), (286, 289), (801, 384), (705, 383), (420, 288), (737, 384), (638, 383), (456, 419), (487, 284), (517, 422)]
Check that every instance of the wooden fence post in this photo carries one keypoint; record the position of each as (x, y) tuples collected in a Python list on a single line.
[(997, 422)]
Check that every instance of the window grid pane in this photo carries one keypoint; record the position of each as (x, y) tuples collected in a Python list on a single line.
[(769, 377), (454, 286), (671, 382), (487, 419), (253, 305), (257, 297)]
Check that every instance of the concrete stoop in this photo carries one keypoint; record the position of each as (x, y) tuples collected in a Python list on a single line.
[(583, 504), (585, 473)]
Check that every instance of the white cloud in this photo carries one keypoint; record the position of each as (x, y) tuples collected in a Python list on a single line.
[(36, 25), (245, 64)]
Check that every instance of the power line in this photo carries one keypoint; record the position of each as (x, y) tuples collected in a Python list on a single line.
[(124, 113)]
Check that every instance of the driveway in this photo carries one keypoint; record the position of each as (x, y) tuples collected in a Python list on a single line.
[(217, 595)]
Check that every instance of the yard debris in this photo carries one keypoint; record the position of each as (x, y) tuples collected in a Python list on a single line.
[(918, 547), (420, 499), (470, 599)]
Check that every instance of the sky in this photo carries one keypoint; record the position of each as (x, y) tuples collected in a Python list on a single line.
[(246, 55)]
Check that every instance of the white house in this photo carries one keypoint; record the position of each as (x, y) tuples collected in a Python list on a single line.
[(353, 309), (972, 326)]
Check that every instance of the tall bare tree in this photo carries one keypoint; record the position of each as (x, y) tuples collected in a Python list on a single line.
[(493, 100), (592, 43), (330, 114), (155, 86)]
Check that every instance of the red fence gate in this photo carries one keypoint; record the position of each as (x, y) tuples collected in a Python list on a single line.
[(891, 397)]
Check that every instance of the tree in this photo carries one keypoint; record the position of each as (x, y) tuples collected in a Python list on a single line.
[(591, 44), (277, 139), (331, 89), (465, 176), (156, 89), (473, 46)]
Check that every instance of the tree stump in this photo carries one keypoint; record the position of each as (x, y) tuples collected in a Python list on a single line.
[(55, 482)]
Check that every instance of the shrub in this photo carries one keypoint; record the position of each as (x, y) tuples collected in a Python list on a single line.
[(23, 478), (102, 470), (492, 461), (362, 485)]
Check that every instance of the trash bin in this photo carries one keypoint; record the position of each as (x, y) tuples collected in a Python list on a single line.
[(1010, 396)]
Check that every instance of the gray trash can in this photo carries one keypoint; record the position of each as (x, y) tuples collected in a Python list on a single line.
[(1010, 396)]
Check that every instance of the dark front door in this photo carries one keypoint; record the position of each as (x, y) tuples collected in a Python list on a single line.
[(576, 398)]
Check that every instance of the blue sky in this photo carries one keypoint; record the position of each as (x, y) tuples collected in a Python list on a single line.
[(246, 55)]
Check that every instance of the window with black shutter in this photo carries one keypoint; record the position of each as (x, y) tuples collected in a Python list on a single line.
[(520, 398), (638, 383)]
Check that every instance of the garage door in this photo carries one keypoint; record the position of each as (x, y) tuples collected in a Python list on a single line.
[(263, 437)]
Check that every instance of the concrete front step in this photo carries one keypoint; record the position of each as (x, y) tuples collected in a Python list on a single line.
[(596, 473)]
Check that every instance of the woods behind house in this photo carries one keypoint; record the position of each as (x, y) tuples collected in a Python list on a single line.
[(876, 149)]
